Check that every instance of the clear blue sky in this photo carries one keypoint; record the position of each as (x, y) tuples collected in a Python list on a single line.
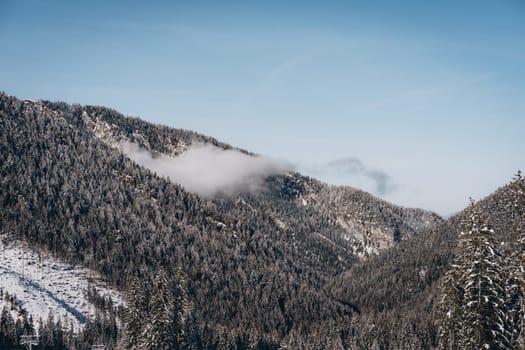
[(429, 94)]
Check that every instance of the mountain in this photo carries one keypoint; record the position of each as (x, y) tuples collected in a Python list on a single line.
[(368, 222), (397, 291), (259, 266)]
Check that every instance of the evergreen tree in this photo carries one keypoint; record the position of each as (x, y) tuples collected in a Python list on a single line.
[(450, 311), (518, 191), (473, 313), (135, 314), (192, 338), (158, 332), (482, 279), (185, 334), (7, 330), (513, 301), (159, 315)]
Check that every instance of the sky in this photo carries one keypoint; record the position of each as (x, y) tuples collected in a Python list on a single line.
[(419, 102)]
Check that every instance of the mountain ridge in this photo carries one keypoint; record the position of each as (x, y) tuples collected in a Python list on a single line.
[(401, 285), (113, 128), (67, 191)]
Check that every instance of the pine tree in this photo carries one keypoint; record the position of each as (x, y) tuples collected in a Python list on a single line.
[(450, 311), (7, 329), (160, 331), (482, 279), (513, 301), (159, 316), (184, 335), (473, 303), (135, 314), (518, 191), (192, 338)]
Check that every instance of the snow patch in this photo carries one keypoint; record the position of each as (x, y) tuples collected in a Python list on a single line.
[(43, 285)]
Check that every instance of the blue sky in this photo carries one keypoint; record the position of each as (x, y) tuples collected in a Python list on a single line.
[(427, 96)]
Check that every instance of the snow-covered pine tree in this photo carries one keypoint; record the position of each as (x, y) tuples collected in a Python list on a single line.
[(513, 301), (184, 334), (450, 311), (518, 191), (135, 314), (158, 332), (159, 315), (482, 279)]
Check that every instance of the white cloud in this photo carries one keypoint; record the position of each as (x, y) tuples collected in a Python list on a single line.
[(208, 170)]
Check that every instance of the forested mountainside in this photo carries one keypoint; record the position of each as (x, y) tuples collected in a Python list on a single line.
[(398, 291), (298, 263), (255, 264), (367, 222)]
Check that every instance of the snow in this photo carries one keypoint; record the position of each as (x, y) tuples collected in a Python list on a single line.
[(43, 285), (280, 224), (114, 137)]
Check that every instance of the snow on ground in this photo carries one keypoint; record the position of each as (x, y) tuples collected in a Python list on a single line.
[(44, 285)]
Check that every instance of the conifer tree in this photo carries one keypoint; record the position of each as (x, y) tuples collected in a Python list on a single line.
[(135, 314), (181, 308), (473, 307), (513, 301), (159, 315), (482, 279), (158, 332), (518, 191), (450, 311)]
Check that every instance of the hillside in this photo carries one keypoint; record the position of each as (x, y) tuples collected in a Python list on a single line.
[(397, 291), (256, 263), (369, 223)]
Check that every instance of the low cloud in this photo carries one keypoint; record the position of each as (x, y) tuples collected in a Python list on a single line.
[(208, 170), (352, 166)]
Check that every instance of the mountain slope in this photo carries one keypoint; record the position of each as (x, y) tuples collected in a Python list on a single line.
[(65, 189), (369, 223), (397, 290)]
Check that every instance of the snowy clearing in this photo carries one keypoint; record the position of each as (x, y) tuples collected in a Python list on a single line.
[(43, 285)]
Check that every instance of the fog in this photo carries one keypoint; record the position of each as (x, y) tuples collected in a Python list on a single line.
[(208, 170)]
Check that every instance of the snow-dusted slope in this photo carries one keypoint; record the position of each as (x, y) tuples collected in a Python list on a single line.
[(368, 222), (44, 285)]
